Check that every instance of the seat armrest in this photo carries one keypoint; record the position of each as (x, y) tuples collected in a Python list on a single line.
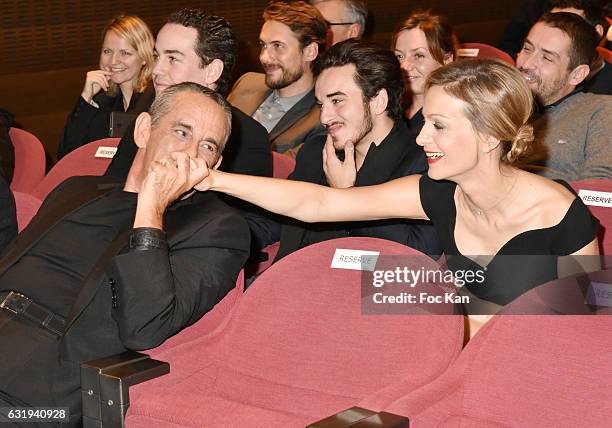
[(105, 386), (358, 417)]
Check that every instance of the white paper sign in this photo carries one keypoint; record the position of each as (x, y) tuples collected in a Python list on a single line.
[(354, 259), (105, 152), (471, 52), (599, 294), (598, 199)]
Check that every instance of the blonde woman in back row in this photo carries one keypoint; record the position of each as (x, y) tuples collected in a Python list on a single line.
[(125, 66)]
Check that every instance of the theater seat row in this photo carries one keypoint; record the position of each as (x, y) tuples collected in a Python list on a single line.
[(296, 348)]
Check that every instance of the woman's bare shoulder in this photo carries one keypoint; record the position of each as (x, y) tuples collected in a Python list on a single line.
[(550, 199)]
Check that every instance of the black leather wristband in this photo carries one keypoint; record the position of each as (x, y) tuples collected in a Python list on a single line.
[(148, 238)]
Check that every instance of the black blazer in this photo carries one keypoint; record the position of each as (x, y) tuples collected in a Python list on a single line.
[(87, 123), (8, 215), (158, 292)]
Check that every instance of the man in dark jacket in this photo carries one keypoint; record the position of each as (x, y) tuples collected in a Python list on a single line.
[(7, 152), (105, 267)]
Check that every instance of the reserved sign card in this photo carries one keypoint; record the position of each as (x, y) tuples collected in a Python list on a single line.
[(598, 199), (354, 259), (468, 52), (105, 152)]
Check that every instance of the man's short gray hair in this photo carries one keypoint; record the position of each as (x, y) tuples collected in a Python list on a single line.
[(163, 102), (358, 13)]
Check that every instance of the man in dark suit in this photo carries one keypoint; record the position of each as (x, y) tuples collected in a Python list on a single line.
[(104, 267), (365, 128), (291, 40), (197, 47)]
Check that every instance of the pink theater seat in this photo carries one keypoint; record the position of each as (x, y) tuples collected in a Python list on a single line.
[(257, 268), (30, 161), (602, 213), (27, 206), (282, 165), (297, 349), (82, 161), (523, 371), (484, 51), (606, 54)]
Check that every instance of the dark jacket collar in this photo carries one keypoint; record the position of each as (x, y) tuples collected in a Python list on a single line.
[(382, 161), (299, 110)]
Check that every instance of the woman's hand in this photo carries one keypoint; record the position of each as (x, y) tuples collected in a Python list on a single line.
[(95, 81)]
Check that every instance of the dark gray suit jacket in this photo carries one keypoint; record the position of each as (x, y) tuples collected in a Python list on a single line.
[(158, 292)]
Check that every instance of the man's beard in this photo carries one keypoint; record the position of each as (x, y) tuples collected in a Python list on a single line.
[(286, 78), (545, 93), (365, 129)]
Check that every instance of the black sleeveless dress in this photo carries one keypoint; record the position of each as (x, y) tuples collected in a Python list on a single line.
[(525, 261)]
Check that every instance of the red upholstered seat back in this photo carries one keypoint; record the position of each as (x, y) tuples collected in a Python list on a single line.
[(282, 165), (321, 342), (26, 206), (605, 53), (487, 51), (524, 371), (30, 161), (297, 345), (81, 161)]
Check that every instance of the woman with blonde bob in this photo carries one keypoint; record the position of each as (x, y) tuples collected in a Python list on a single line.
[(483, 207), (126, 62)]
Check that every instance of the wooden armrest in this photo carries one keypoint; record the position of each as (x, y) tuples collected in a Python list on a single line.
[(358, 417), (105, 386)]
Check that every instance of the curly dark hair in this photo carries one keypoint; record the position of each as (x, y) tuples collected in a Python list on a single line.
[(216, 40), (376, 69)]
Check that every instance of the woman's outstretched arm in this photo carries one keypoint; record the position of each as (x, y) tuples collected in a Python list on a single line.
[(313, 203)]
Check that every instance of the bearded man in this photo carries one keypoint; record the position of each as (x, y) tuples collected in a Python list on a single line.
[(572, 128), (291, 41)]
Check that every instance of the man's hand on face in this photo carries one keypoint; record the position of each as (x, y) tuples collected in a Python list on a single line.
[(339, 174), (167, 180)]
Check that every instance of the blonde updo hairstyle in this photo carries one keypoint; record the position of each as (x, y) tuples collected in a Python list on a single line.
[(498, 102), (140, 38)]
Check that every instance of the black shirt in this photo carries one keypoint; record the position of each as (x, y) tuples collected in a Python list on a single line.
[(87, 123), (8, 216), (54, 269)]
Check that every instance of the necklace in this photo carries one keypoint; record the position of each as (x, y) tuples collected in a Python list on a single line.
[(480, 211)]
